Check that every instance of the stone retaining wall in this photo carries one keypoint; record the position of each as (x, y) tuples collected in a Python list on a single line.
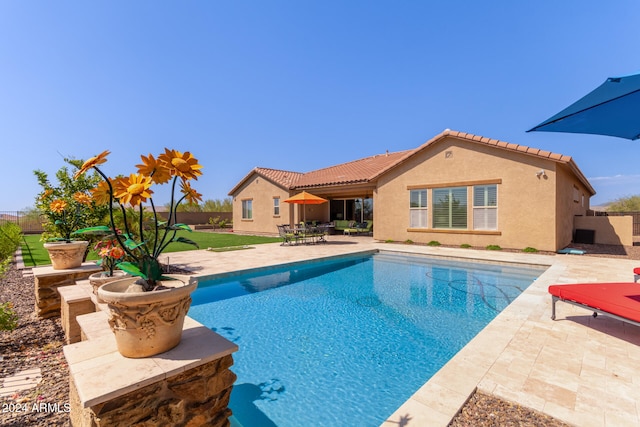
[(197, 397), (47, 281)]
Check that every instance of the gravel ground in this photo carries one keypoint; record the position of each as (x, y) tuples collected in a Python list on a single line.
[(34, 343), (38, 343)]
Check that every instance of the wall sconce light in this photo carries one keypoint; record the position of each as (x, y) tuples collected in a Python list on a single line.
[(541, 173)]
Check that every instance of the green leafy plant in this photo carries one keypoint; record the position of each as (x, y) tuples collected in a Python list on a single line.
[(493, 248), (409, 242), (465, 246), (67, 206), (144, 244), (214, 221), (8, 317), (530, 249), (10, 236), (433, 243), (389, 241), (5, 265)]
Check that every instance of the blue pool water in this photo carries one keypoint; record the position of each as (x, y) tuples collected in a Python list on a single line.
[(345, 341)]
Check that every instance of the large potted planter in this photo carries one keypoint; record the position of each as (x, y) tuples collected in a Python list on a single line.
[(147, 311), (147, 323), (65, 255)]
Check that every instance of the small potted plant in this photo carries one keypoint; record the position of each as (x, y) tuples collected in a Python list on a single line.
[(66, 207), (147, 311), (110, 254)]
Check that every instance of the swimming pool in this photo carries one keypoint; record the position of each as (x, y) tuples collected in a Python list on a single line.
[(345, 341)]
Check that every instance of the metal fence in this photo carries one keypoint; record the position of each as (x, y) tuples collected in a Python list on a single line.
[(635, 215), (29, 221)]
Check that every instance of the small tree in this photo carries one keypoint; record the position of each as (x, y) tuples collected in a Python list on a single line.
[(67, 206), (217, 205)]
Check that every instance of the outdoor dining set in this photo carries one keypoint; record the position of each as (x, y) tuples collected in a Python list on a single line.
[(303, 233)]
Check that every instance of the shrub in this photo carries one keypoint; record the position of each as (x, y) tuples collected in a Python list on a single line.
[(8, 317), (4, 266), (409, 242), (465, 246), (529, 249), (433, 243), (10, 235), (494, 248), (389, 241)]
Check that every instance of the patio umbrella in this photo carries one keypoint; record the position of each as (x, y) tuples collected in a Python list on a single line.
[(613, 109), (305, 198)]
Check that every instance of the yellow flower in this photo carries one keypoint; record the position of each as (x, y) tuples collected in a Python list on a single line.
[(82, 198), (94, 161), (133, 190), (58, 206), (158, 171), (101, 193), (48, 192), (191, 195), (183, 165)]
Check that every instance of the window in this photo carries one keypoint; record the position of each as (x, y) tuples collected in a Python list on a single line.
[(247, 209), (450, 207), (276, 206), (418, 208), (485, 207)]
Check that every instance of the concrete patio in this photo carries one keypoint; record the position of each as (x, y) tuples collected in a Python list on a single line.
[(578, 369)]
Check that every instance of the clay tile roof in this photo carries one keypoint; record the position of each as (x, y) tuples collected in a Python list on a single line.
[(357, 171), (284, 178), (370, 168)]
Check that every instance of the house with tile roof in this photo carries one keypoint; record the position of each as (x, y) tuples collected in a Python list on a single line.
[(456, 188)]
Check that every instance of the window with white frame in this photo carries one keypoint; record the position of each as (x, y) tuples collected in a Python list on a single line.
[(276, 206), (418, 208), (247, 209), (485, 207), (449, 207)]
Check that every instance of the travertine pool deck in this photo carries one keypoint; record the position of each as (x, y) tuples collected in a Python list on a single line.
[(578, 369)]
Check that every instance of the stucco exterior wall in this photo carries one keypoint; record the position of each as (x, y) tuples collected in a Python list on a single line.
[(261, 192), (609, 230), (572, 201), (526, 202)]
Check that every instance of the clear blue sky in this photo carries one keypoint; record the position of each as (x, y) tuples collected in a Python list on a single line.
[(301, 85)]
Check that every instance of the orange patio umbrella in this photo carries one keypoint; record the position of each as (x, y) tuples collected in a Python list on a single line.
[(305, 198)]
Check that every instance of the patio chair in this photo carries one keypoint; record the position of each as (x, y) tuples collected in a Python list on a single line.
[(288, 236), (618, 300)]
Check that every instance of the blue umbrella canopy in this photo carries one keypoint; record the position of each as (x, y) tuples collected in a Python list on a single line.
[(613, 109)]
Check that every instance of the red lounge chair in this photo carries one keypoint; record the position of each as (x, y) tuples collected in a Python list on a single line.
[(618, 300)]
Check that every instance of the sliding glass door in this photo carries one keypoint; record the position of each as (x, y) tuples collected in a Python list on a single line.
[(351, 209)]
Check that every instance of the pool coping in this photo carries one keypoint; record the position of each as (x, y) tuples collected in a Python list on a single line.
[(576, 369)]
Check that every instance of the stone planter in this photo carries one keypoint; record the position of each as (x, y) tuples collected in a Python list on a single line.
[(147, 323), (65, 255), (100, 278)]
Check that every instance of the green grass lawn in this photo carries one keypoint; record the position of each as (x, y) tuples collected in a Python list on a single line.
[(34, 253)]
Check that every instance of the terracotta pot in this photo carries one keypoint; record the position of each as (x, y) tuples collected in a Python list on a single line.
[(65, 255), (147, 323), (99, 279)]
